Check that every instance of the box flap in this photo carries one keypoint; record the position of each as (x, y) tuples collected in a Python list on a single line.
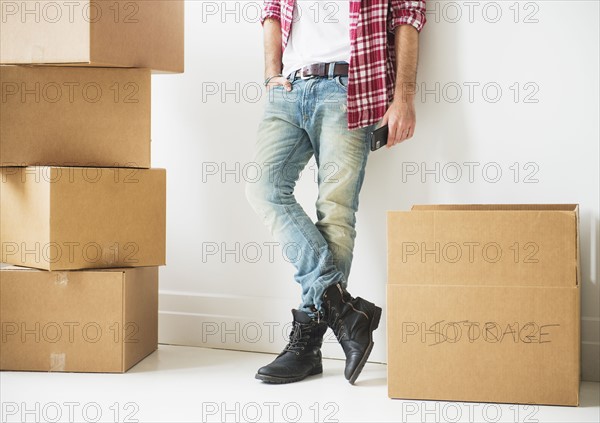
[(495, 207), (14, 268), (535, 245), (6, 267)]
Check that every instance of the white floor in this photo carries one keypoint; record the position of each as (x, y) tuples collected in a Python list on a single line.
[(184, 384)]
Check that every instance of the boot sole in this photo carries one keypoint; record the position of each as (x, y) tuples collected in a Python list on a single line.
[(282, 380), (365, 357)]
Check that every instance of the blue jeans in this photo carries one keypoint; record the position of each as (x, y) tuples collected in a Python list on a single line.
[(311, 120)]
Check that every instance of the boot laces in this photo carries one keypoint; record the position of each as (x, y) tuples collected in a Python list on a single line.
[(298, 339), (338, 324), (338, 330)]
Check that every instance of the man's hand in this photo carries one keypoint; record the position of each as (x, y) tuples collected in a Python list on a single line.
[(280, 80), (401, 120)]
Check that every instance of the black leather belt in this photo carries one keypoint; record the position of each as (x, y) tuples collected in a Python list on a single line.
[(321, 69)]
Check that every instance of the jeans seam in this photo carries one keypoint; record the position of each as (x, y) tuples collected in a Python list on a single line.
[(360, 179)]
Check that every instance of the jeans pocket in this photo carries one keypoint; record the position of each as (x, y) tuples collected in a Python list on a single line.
[(342, 81)]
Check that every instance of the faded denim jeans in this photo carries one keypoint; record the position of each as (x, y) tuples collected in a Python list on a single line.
[(311, 120)]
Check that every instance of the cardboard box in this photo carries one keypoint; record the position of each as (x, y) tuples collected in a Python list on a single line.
[(483, 304), (65, 218), (74, 116), (82, 321), (106, 33)]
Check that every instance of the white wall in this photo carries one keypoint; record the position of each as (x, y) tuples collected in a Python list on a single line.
[(204, 298)]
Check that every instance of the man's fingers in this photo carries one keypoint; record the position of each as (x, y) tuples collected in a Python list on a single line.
[(403, 133), (392, 129), (384, 120), (287, 85), (399, 134)]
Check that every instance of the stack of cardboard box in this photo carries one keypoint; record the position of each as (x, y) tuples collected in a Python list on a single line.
[(82, 213), (483, 303)]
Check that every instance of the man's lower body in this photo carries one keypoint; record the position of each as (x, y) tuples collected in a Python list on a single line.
[(311, 120)]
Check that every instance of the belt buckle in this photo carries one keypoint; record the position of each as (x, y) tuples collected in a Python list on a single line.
[(302, 75)]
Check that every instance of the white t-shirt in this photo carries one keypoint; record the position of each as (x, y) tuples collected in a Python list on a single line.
[(320, 33)]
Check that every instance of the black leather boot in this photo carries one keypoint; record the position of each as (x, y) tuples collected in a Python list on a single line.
[(302, 355), (353, 320)]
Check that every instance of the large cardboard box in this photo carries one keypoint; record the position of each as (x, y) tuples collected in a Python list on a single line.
[(81, 321), (65, 218), (74, 116), (483, 304), (107, 33)]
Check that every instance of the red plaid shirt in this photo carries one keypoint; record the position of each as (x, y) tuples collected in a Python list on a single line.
[(371, 74)]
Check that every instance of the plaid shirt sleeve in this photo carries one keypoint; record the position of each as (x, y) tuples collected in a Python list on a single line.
[(271, 9), (407, 13)]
